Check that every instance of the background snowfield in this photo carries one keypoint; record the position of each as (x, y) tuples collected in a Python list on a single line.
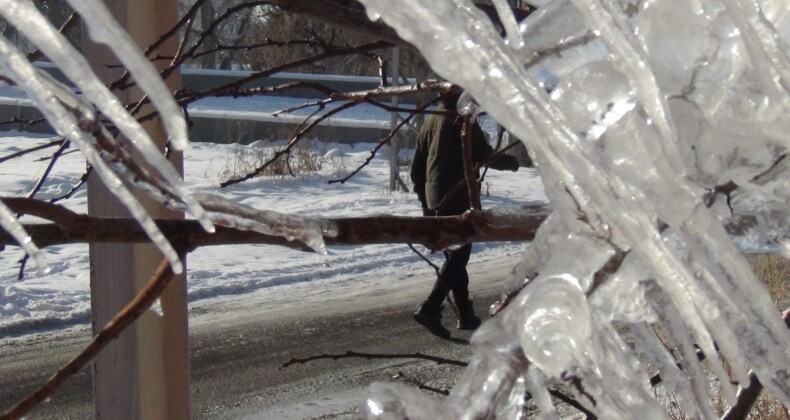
[(62, 298)]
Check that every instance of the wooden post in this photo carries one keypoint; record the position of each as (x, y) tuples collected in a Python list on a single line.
[(145, 372)]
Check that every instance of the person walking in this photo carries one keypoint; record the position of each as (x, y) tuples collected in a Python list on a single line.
[(436, 168)]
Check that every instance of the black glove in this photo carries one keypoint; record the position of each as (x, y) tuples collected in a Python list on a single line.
[(428, 212)]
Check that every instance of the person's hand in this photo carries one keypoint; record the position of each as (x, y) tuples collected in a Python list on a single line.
[(428, 212)]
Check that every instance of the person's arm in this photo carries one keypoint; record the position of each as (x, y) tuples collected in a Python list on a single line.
[(482, 150)]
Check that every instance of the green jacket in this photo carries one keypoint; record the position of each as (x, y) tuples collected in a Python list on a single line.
[(438, 164)]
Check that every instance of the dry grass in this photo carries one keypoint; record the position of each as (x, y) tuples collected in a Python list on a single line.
[(303, 159), (774, 271)]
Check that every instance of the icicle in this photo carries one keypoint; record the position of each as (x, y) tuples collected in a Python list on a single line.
[(536, 385), (10, 224), (674, 380), (52, 99), (680, 336), (549, 26), (618, 373), (556, 330), (764, 47), (103, 28), (396, 402), (515, 405), (37, 29), (606, 17), (621, 181), (508, 20), (307, 230), (156, 308)]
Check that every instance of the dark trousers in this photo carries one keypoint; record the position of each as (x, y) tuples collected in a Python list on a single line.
[(453, 277)]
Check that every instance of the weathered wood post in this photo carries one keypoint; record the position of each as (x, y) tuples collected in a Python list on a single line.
[(145, 372)]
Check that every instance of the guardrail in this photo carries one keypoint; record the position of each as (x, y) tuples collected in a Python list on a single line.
[(239, 120)]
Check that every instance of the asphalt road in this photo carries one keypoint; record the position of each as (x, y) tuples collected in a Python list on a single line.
[(236, 361)]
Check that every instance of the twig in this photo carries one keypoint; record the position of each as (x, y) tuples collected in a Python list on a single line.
[(469, 164), (573, 403), (383, 82), (120, 83), (72, 21), (424, 258), (296, 136), (186, 21), (45, 175), (218, 21), (70, 152), (419, 384), (462, 183), (250, 47), (183, 44), (36, 188), (268, 72), (188, 16), (75, 188), (15, 120), (352, 354), (438, 278), (729, 187), (141, 302), (557, 50), (382, 143), (500, 136), (22, 264), (58, 142)]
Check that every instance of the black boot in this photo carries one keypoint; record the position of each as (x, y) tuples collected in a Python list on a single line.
[(430, 317), (467, 320)]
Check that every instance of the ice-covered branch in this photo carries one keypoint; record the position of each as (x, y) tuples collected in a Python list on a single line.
[(626, 151), (433, 232)]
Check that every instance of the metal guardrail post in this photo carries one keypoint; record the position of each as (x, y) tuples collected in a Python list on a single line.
[(394, 146)]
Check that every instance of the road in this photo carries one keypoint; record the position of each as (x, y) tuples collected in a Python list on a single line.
[(239, 344)]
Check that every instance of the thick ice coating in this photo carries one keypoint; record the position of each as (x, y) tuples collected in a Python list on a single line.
[(647, 151)]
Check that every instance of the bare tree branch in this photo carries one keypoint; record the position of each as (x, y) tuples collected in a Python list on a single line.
[(53, 160), (573, 403), (350, 14), (406, 378), (432, 232), (352, 354), (744, 400), (469, 164), (71, 22), (53, 143), (83, 179), (383, 142)]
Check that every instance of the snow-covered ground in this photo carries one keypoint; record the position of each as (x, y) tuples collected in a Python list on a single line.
[(62, 298)]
